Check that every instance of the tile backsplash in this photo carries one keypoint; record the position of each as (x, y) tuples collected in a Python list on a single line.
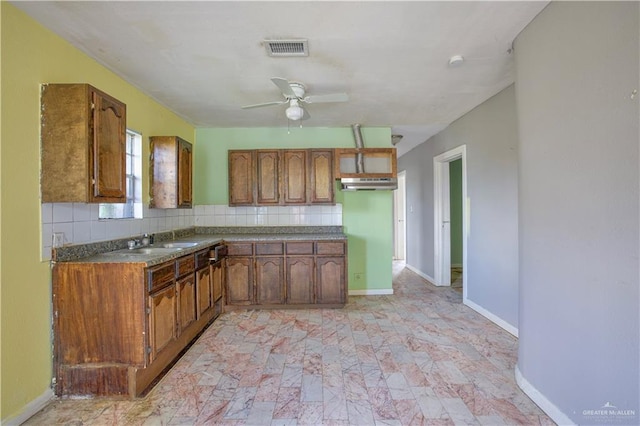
[(223, 215), (80, 224)]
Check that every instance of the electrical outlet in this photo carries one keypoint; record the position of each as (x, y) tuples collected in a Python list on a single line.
[(358, 276), (58, 239)]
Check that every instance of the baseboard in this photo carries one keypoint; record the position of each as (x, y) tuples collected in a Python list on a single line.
[(491, 317), (30, 409), (372, 292), (422, 274), (541, 401), (456, 265)]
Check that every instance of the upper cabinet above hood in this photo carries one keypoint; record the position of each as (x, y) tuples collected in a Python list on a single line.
[(377, 167), (365, 162)]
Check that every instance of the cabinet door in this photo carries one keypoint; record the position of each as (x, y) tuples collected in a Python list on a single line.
[(299, 280), (269, 280), (184, 173), (241, 178), (267, 181), (186, 301), (330, 279), (217, 276), (108, 153), (203, 290), (239, 281), (321, 183), (294, 170), (162, 320)]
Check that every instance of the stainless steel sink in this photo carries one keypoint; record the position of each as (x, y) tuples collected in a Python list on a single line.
[(179, 245), (142, 251), (152, 250)]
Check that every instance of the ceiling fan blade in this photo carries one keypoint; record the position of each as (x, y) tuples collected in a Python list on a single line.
[(305, 115), (285, 88), (334, 97), (264, 104)]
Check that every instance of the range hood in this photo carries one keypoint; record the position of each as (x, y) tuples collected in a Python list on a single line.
[(369, 169), (371, 184)]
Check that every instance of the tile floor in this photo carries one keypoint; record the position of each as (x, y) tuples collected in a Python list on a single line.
[(418, 357)]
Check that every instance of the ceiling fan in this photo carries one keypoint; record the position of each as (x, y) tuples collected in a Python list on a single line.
[(294, 95)]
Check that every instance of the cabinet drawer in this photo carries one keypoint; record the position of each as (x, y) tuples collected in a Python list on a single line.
[(269, 248), (160, 276), (202, 259), (185, 265), (240, 249), (324, 247), (303, 247)]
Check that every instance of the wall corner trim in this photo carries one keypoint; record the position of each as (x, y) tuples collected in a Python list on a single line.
[(491, 317), (536, 396), (30, 409), (372, 292)]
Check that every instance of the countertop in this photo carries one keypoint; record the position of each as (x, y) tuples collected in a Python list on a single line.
[(202, 241)]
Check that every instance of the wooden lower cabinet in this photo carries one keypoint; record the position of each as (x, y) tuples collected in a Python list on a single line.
[(117, 326), (239, 281), (300, 280), (186, 288), (203, 291), (217, 281), (330, 280), (269, 279), (293, 273), (162, 320)]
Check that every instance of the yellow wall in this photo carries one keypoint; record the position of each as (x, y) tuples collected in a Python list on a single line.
[(31, 55)]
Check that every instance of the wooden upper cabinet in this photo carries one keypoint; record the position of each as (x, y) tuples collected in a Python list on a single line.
[(321, 181), (268, 183), (83, 138), (281, 177), (170, 172), (294, 176), (377, 163), (241, 177), (185, 173)]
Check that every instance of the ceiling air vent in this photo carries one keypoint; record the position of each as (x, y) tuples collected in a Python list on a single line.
[(287, 47)]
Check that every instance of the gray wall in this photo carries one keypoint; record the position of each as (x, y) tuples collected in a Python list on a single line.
[(490, 133), (577, 65)]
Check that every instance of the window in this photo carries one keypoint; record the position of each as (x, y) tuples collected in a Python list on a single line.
[(133, 207)]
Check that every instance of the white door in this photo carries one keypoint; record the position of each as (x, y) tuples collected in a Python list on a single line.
[(399, 218)]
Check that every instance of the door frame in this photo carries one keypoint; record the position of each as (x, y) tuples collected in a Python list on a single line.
[(400, 218), (441, 232)]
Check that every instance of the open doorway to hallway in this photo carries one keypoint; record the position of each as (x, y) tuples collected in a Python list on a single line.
[(451, 219), (455, 217)]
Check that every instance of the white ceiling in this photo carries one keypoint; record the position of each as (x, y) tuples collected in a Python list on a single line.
[(205, 59)]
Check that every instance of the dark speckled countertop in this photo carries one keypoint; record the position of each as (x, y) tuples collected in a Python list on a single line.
[(202, 237)]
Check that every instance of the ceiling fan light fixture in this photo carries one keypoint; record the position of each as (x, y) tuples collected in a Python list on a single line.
[(294, 112)]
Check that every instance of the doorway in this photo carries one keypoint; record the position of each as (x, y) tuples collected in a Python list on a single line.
[(399, 218), (455, 217), (442, 216)]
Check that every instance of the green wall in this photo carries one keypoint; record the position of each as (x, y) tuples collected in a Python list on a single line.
[(366, 215), (32, 55), (455, 208)]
